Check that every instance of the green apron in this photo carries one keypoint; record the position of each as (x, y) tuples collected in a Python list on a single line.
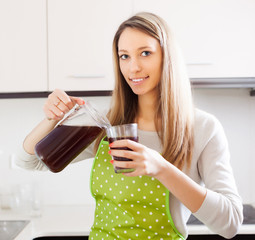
[(128, 207)]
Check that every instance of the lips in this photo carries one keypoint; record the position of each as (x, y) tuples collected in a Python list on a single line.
[(137, 80)]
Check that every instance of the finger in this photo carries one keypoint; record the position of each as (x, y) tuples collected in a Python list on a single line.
[(61, 97), (53, 112), (125, 164), (135, 146), (77, 100), (125, 154)]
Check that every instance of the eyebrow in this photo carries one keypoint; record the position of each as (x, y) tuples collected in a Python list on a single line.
[(140, 48)]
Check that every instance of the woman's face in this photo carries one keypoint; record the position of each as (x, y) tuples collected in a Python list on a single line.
[(140, 59)]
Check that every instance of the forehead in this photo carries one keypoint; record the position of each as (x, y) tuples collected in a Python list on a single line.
[(132, 38)]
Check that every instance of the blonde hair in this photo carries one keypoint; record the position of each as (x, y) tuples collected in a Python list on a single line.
[(175, 105)]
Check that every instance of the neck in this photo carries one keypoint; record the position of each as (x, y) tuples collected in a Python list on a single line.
[(146, 113)]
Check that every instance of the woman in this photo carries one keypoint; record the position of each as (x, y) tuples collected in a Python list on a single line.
[(182, 159)]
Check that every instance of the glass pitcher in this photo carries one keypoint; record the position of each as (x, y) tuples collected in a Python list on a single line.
[(79, 128)]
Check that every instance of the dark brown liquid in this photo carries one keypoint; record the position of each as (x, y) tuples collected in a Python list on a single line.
[(63, 144), (118, 169)]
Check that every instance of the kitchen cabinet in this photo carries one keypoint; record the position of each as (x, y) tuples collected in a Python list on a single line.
[(80, 34), (23, 53), (216, 36)]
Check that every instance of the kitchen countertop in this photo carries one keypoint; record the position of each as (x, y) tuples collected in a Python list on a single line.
[(76, 220)]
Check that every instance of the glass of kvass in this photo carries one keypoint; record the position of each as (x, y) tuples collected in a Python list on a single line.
[(125, 131), (78, 129)]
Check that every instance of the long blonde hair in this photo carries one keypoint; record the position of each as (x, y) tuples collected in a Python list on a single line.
[(175, 105)]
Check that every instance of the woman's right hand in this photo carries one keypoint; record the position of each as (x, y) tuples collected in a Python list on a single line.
[(58, 104)]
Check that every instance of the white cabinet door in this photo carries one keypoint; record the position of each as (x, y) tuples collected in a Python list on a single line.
[(217, 37), (80, 42), (23, 46)]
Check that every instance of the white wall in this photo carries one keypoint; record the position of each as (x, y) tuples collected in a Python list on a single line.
[(233, 107)]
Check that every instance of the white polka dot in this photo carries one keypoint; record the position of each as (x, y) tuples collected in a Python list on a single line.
[(102, 152), (145, 184), (120, 192), (132, 205), (156, 220), (158, 186), (144, 197), (163, 206), (132, 195), (157, 199), (105, 160), (122, 179), (116, 184), (152, 178), (133, 181), (150, 227), (99, 165), (138, 212), (151, 192), (151, 213), (126, 187), (138, 189), (164, 194), (102, 173), (144, 206), (144, 219)]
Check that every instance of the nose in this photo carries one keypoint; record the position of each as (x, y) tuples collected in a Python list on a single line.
[(135, 65)]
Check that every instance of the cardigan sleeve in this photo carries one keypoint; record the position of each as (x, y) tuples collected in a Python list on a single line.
[(222, 210)]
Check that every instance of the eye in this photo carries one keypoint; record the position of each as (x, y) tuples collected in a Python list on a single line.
[(146, 53), (123, 56)]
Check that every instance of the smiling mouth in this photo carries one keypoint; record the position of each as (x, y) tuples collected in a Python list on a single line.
[(136, 80)]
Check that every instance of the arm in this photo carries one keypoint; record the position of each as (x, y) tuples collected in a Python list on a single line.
[(217, 204), (57, 104)]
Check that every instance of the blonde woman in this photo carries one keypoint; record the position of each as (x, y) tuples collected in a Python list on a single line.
[(181, 163)]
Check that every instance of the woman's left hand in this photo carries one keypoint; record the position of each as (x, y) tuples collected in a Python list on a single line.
[(145, 161)]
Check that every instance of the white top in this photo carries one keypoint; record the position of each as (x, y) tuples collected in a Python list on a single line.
[(222, 210)]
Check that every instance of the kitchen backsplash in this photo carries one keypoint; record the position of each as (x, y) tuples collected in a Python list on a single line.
[(233, 107)]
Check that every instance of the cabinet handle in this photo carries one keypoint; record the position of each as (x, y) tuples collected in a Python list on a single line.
[(86, 76)]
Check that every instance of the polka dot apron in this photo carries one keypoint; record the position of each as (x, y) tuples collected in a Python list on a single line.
[(128, 207)]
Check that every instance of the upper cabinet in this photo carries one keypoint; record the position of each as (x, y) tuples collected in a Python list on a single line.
[(23, 51), (80, 34), (217, 37), (48, 44)]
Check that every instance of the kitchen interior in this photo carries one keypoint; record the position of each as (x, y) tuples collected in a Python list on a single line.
[(49, 44)]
